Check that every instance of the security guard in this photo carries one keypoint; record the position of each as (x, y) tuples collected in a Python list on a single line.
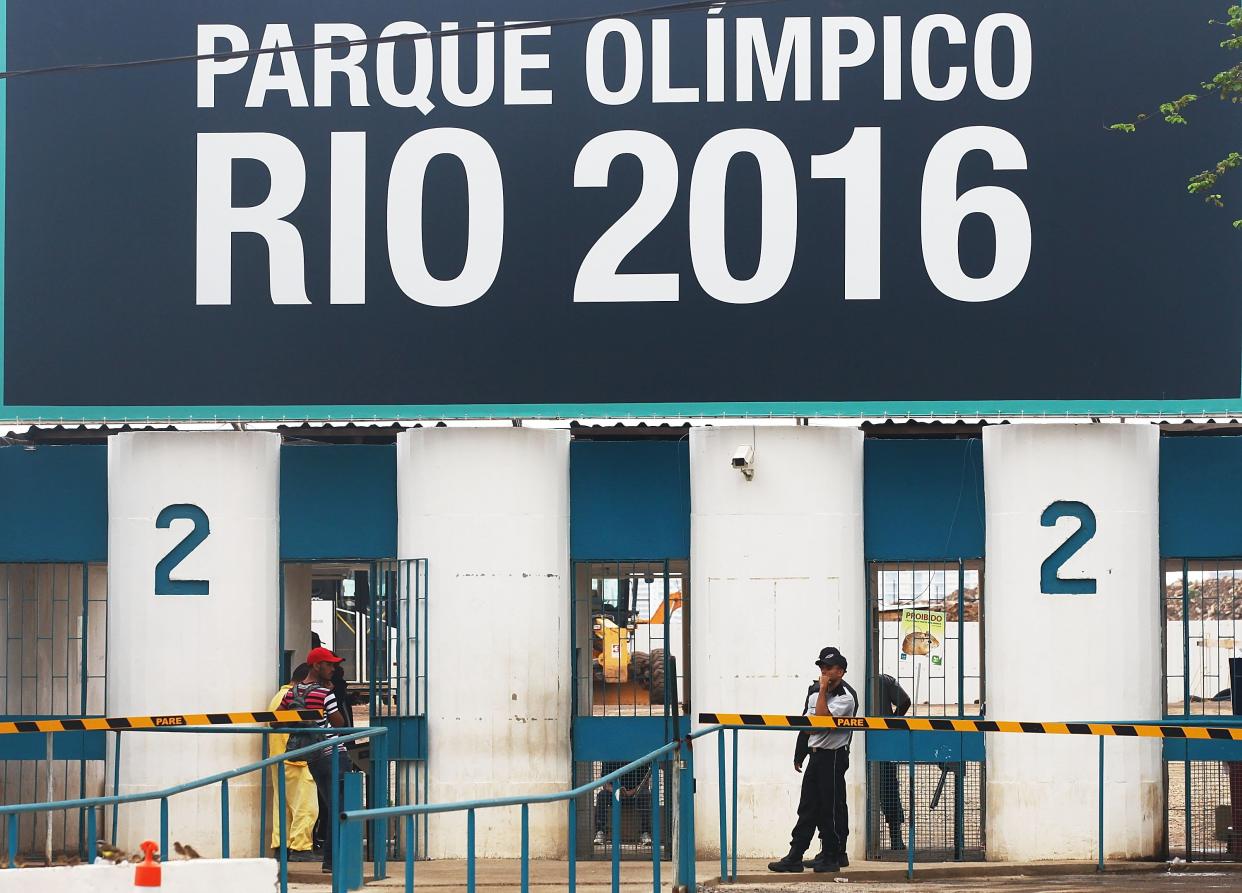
[(822, 802), (892, 700)]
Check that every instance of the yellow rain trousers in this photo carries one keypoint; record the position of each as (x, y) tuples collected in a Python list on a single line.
[(302, 806)]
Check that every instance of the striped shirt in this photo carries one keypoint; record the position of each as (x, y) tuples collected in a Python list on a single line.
[(841, 702), (317, 697)]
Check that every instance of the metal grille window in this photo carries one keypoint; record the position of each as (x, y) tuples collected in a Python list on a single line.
[(927, 635), (54, 640), (630, 649), (1203, 619), (594, 812)]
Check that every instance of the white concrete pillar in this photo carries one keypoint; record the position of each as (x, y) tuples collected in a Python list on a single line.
[(297, 611), (777, 567), (489, 509), (1072, 656), (198, 653)]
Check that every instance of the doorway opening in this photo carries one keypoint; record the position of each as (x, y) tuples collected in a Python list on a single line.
[(372, 613), (927, 638), (631, 676)]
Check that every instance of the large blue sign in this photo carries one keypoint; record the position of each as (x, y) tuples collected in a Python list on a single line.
[(802, 206)]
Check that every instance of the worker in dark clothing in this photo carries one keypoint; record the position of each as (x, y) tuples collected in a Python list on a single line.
[(634, 788), (340, 688), (822, 801), (891, 700)]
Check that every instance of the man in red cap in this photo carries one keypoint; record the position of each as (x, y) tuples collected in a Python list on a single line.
[(316, 694)]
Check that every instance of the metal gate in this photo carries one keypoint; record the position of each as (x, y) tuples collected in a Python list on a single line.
[(630, 626), (926, 622), (396, 663), (1202, 606), (377, 620), (54, 641)]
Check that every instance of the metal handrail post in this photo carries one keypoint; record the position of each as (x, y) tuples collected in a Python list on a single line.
[(264, 754), (959, 802), (163, 828), (525, 848), (1100, 862), (91, 845), (379, 830), (733, 873), (409, 853), (116, 784), (687, 868), (470, 877), (224, 819), (656, 810), (572, 880), (910, 837), (616, 836), (724, 830), (282, 831), (333, 830)]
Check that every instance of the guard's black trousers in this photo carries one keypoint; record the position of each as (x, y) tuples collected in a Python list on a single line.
[(822, 804), (890, 795)]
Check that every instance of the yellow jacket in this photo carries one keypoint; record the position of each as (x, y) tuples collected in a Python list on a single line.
[(278, 743)]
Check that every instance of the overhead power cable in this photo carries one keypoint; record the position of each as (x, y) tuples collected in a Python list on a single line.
[(643, 12)]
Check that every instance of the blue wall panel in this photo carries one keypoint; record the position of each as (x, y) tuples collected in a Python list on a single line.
[(622, 737), (338, 501), (923, 499), (629, 499), (1201, 497), (54, 503)]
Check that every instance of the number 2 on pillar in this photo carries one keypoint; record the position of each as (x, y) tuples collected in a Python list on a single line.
[(164, 584), (1050, 580)]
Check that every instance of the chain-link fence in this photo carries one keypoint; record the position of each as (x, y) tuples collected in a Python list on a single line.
[(948, 805)]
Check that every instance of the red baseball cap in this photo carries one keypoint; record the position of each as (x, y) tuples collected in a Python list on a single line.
[(320, 654)]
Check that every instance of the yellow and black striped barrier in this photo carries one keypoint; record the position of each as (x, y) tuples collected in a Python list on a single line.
[(929, 724), (121, 723)]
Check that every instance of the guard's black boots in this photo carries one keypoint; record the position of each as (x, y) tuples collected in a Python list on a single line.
[(894, 837), (792, 862), (811, 863), (827, 864), (843, 860)]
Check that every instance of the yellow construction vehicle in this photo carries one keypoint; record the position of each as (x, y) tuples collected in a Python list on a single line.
[(616, 661), (612, 650)]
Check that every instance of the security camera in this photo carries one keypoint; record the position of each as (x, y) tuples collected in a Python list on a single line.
[(744, 461)]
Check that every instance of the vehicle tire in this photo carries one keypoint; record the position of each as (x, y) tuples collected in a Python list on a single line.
[(640, 668), (657, 675)]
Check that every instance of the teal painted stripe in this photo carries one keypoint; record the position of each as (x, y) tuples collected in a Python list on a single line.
[(366, 412)]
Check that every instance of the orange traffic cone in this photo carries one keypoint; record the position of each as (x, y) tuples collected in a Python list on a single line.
[(148, 873)]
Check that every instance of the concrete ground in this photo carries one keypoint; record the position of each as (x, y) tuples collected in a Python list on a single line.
[(496, 875)]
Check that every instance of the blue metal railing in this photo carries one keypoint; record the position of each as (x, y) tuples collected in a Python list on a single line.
[(347, 867), (339, 736), (728, 872), (685, 849)]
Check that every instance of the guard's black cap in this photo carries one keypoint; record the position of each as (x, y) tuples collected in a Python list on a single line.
[(831, 657)]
